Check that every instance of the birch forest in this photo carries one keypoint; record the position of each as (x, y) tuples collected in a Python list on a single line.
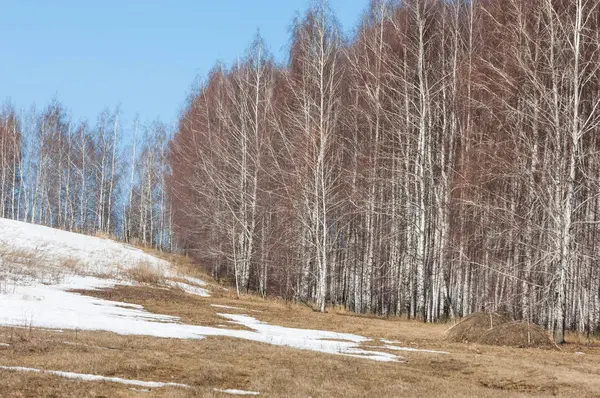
[(441, 161), (99, 179)]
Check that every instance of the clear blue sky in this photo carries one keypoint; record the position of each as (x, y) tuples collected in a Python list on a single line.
[(141, 54)]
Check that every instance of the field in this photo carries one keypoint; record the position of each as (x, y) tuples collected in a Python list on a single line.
[(217, 344), (227, 363)]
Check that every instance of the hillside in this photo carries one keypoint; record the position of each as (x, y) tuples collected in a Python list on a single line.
[(82, 315)]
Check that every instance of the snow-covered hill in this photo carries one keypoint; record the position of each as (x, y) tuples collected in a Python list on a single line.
[(29, 298), (92, 255), (41, 266)]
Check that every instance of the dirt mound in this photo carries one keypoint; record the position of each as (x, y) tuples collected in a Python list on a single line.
[(517, 334), (472, 327), (496, 329)]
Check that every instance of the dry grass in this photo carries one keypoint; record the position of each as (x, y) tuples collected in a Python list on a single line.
[(145, 273), (18, 264), (71, 265), (26, 263), (182, 264), (104, 235), (191, 309), (221, 362)]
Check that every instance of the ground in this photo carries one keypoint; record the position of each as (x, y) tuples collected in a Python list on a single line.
[(223, 362), (419, 361)]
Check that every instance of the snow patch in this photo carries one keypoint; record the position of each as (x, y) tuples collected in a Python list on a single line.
[(306, 339), (193, 280), (237, 392), (396, 348), (89, 377), (390, 341), (228, 307), (90, 263), (232, 308), (197, 291), (56, 307)]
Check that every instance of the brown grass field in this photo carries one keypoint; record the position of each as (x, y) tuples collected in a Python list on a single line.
[(222, 362)]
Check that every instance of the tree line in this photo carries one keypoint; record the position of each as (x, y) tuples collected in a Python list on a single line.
[(444, 160), (97, 179)]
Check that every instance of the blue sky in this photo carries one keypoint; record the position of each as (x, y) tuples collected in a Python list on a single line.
[(143, 55)]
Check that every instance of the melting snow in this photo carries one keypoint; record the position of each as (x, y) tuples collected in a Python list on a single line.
[(396, 348), (390, 341), (195, 281), (31, 303), (237, 392), (88, 377), (228, 307), (197, 291), (89, 255), (232, 308), (94, 255), (54, 307)]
